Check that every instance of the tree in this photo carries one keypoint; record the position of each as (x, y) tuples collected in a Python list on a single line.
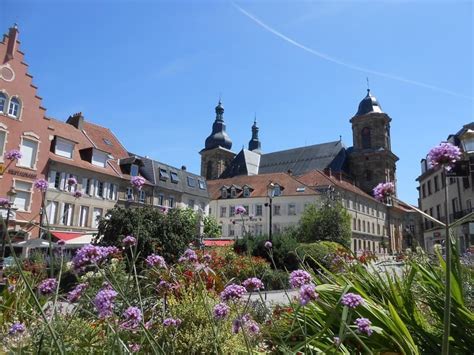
[(330, 222), (167, 234), (212, 229)]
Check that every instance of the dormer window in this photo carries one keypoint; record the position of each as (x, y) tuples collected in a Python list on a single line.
[(134, 170), (3, 102), (246, 191), (14, 108), (63, 148), (174, 177), (276, 190), (99, 158), (164, 174), (224, 192), (233, 192), (191, 182), (202, 184)]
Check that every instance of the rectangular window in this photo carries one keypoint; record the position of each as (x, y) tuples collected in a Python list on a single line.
[(174, 177), (378, 229), (246, 192), (465, 182), (246, 207), (436, 183), (423, 189), (455, 203), (57, 179), (129, 194), (191, 203), (164, 174), (112, 192), (99, 158), (3, 138), (291, 209), (63, 148), (88, 186), (161, 200), (191, 182), (202, 184), (83, 216), (276, 210), (438, 212), (258, 229), (171, 201), (134, 170), (354, 227), (231, 211), (97, 214), (231, 230), (52, 211), (223, 212), (429, 187), (100, 189), (23, 195), (68, 212), (258, 210), (141, 196), (29, 150), (468, 205)]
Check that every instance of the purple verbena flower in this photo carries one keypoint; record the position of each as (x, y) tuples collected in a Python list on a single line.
[(189, 255), (153, 260), (41, 185), (138, 182), (445, 154), (129, 241), (240, 210), (75, 294), (352, 300), (172, 322), (71, 181), (207, 258), (132, 318), (232, 292), (252, 327), (13, 155), (47, 286), (308, 293), (268, 244), (104, 301), (299, 278), (363, 326), (164, 287), (91, 255), (17, 328), (134, 347), (4, 202), (383, 190), (77, 194), (253, 284), (221, 311)]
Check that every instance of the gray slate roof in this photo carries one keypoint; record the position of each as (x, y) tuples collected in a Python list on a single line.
[(244, 163)]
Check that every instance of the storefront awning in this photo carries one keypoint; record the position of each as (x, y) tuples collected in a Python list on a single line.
[(73, 238), (217, 243)]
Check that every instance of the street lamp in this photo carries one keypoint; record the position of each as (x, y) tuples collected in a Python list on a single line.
[(271, 194), (11, 199)]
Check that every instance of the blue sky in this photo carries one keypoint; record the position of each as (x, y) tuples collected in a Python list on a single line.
[(152, 71)]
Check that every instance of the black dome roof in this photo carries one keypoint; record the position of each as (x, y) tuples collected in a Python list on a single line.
[(218, 136), (369, 104)]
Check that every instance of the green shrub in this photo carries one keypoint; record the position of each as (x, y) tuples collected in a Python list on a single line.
[(322, 252), (275, 280)]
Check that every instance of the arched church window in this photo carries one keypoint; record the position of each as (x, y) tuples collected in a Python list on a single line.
[(366, 139)]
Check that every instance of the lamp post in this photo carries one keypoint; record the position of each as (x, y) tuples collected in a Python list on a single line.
[(11, 199), (271, 194)]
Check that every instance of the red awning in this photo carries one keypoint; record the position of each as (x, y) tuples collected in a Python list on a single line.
[(218, 243), (66, 235)]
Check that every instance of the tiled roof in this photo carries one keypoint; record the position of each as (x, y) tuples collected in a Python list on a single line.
[(259, 184), (317, 178), (244, 163)]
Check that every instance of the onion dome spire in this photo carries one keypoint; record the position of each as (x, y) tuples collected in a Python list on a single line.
[(218, 136), (369, 104), (254, 143)]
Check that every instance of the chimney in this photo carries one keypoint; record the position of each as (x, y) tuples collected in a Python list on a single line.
[(183, 167), (290, 172), (76, 120), (11, 45)]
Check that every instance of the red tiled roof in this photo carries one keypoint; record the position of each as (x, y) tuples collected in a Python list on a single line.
[(217, 243), (259, 184), (66, 235)]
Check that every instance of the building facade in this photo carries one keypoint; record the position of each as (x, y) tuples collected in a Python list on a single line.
[(432, 185), (23, 128)]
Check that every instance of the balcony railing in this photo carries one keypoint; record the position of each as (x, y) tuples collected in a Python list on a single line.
[(459, 214)]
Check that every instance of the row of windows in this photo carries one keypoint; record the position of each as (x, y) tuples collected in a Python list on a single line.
[(88, 186), (365, 245), (258, 210), (10, 106), (363, 226), (427, 187), (64, 214), (233, 191), (360, 207)]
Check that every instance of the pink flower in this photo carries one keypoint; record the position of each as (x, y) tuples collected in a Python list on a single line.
[(72, 181), (240, 210), (138, 182), (363, 326), (129, 241), (47, 286), (153, 260), (77, 194), (445, 154), (268, 244), (41, 184), (4, 202), (221, 311), (384, 190), (299, 278), (13, 155), (307, 293), (352, 300), (232, 292), (253, 284)]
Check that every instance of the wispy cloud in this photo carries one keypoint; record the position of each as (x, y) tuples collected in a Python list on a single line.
[(343, 63)]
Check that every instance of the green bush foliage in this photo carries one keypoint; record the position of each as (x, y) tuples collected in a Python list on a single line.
[(167, 234), (318, 254), (329, 222), (212, 229)]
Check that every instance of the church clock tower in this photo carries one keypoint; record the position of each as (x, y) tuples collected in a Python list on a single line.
[(216, 155), (371, 160)]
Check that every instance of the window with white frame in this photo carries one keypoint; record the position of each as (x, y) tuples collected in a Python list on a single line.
[(258, 210), (52, 212), (112, 192), (3, 102), (233, 192), (83, 216), (223, 211), (14, 107), (100, 189), (231, 211), (68, 213), (23, 195), (164, 174), (99, 158), (174, 177), (246, 191), (202, 184), (96, 215), (291, 209), (141, 196), (191, 203), (3, 140), (29, 151), (63, 148), (276, 210), (129, 194), (171, 202), (224, 193), (134, 170), (191, 181), (161, 200), (258, 229), (231, 230), (276, 190)]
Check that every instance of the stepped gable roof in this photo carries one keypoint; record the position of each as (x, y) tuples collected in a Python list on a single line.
[(259, 183), (244, 163), (317, 178), (301, 160)]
